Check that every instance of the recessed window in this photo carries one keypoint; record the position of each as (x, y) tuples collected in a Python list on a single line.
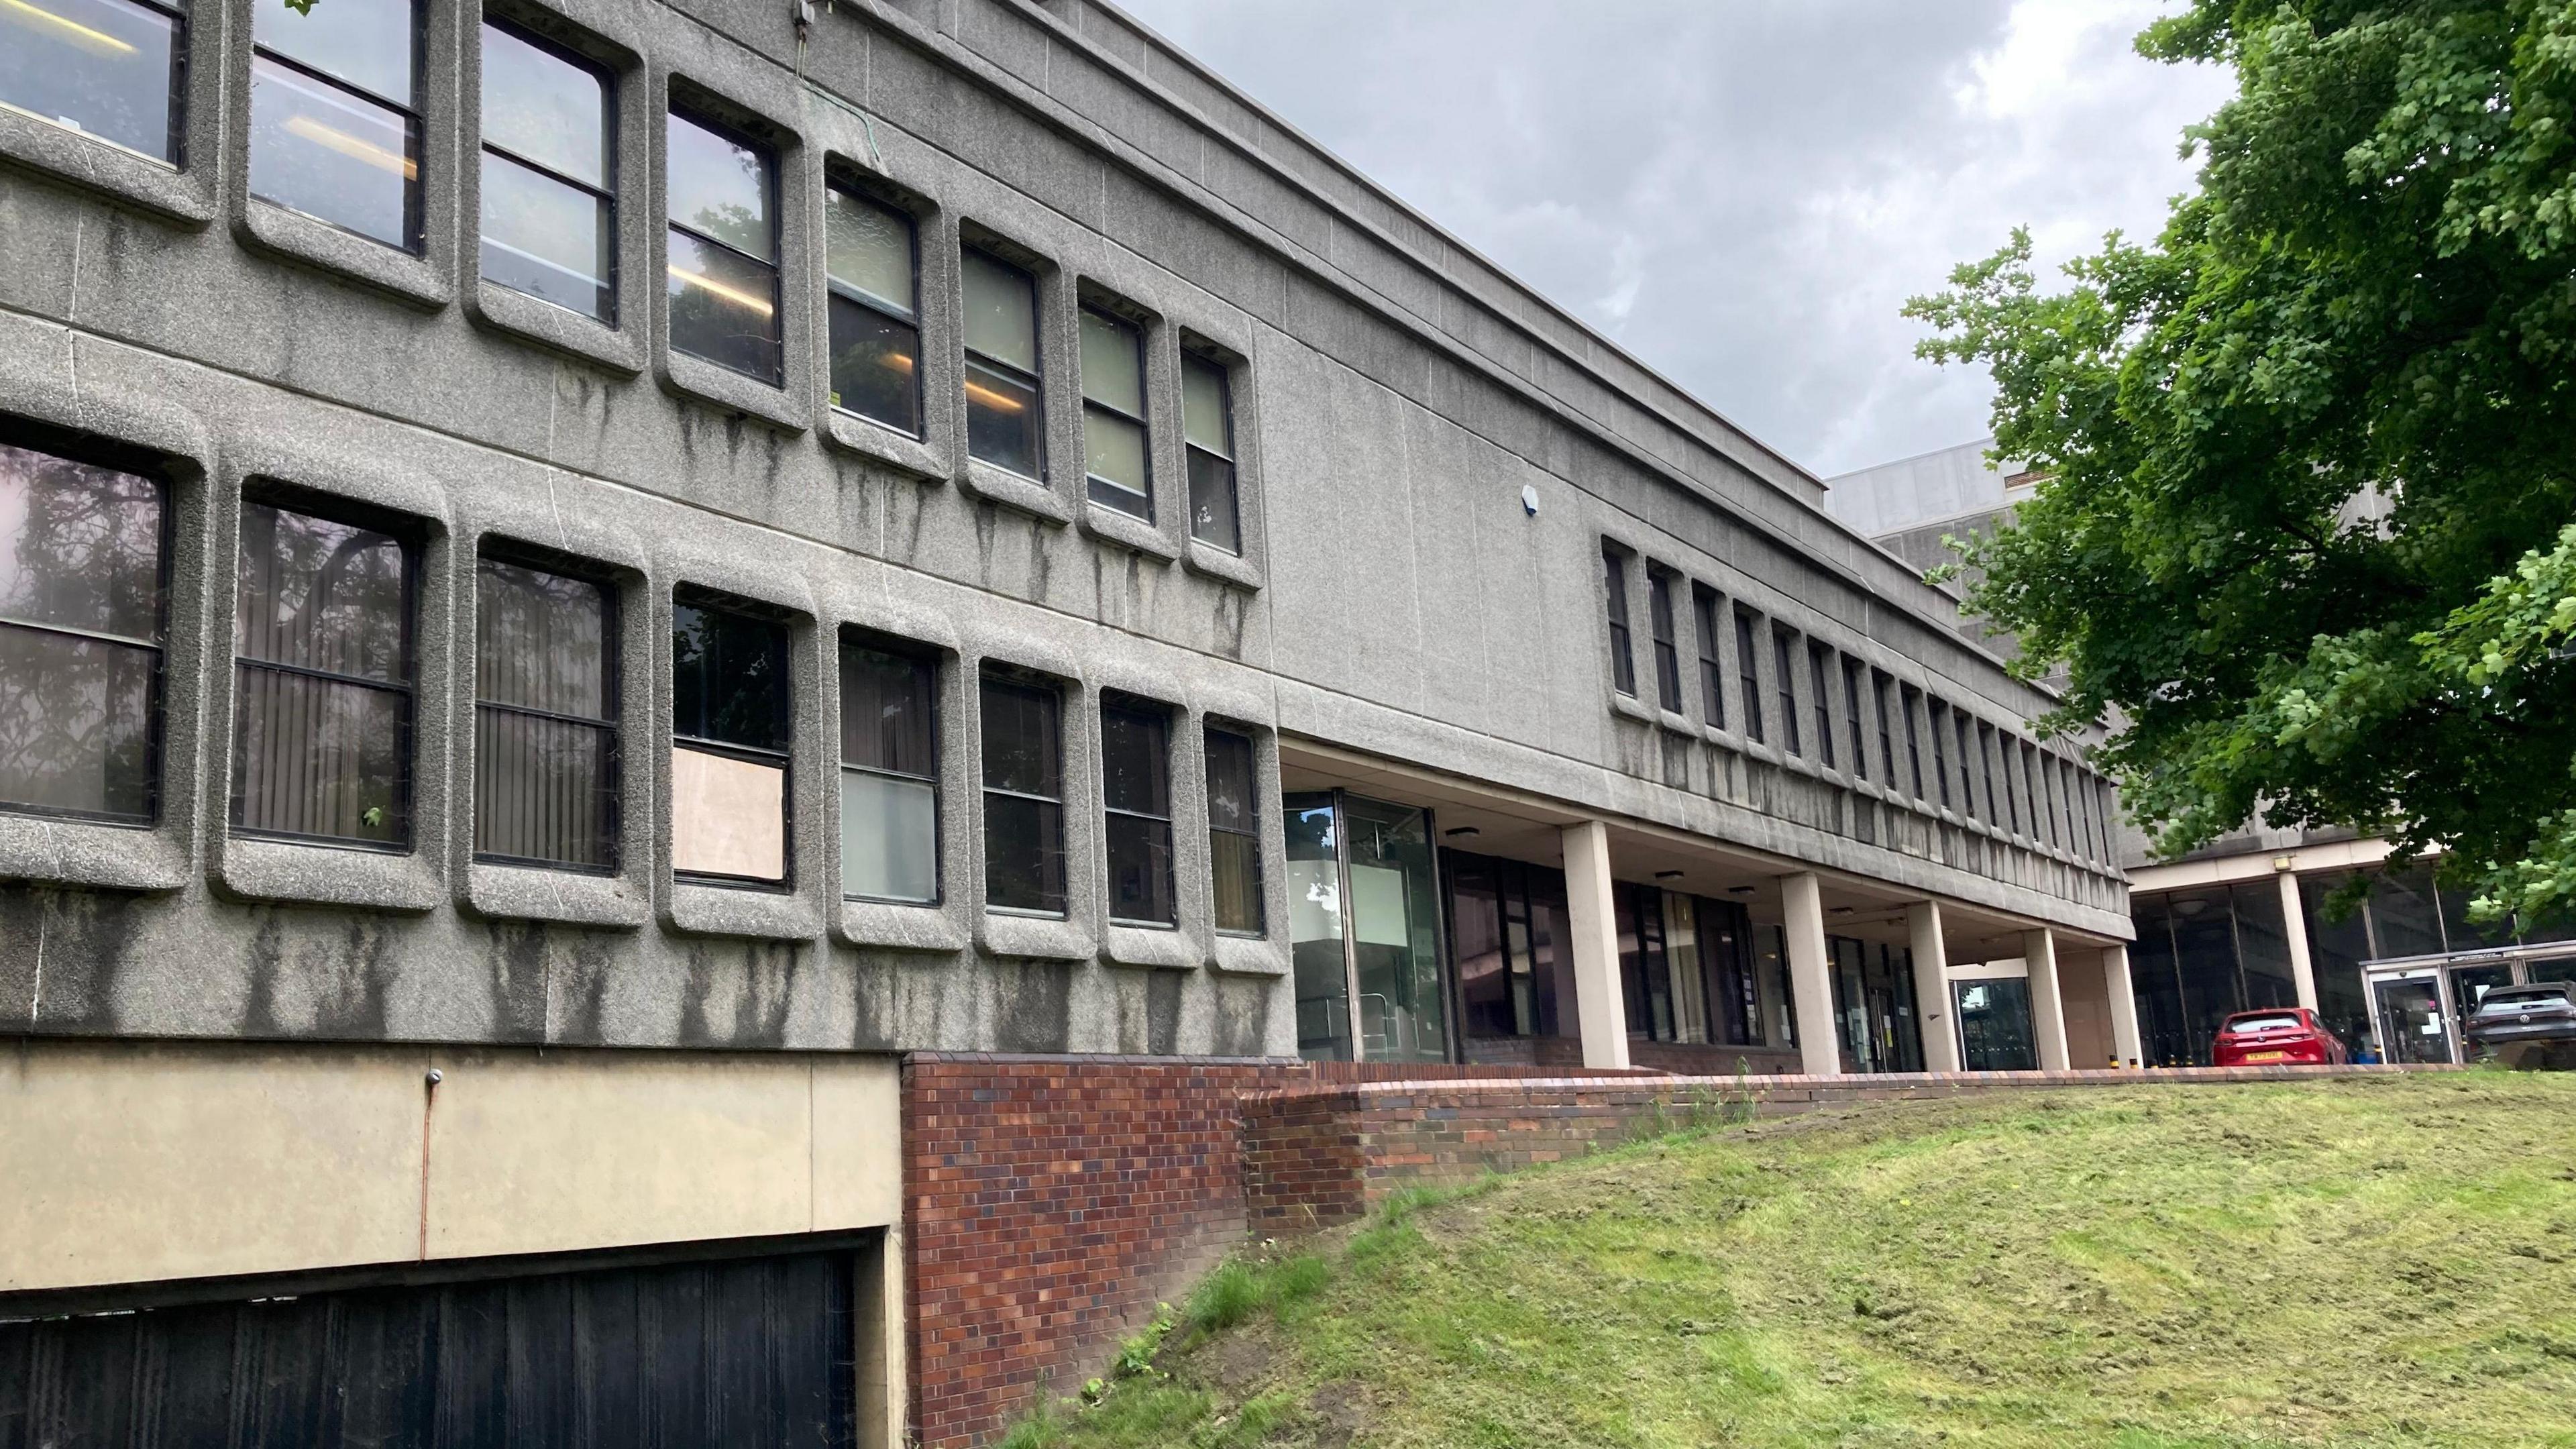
[(81, 603), (1967, 777), (1115, 464), (322, 681), (334, 123), (1005, 413), (1939, 714), (545, 718), (1852, 669), (1746, 663), (1910, 702), (1023, 797), (870, 271), (1668, 654), (549, 222), (1614, 588), (889, 776), (1234, 839), (1136, 786), (1712, 675), (1820, 674), (723, 260), (1879, 685), (729, 744), (1207, 425), (106, 68), (1784, 680)]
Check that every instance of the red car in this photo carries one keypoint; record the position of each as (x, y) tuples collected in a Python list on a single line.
[(2286, 1036)]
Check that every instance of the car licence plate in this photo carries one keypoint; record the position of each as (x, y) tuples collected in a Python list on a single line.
[(2253, 1057)]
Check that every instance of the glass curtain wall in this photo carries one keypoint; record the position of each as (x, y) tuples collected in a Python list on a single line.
[(1994, 1025), (1364, 930), (1508, 933), (1874, 1006)]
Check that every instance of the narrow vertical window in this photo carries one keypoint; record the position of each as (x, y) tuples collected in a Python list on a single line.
[(1879, 685), (1820, 674), (1851, 718), (1614, 584), (1747, 677), (1136, 788), (1023, 797), (729, 744), (1940, 721), (334, 126), (545, 718), (2004, 744), (81, 630), (1712, 676), (1986, 765), (1967, 779), (1784, 679), (723, 260), (1234, 838), (871, 273), (113, 69), (322, 676), (889, 776), (1115, 450), (1668, 657), (1207, 426), (1005, 411), (2040, 824), (549, 221), (1910, 700)]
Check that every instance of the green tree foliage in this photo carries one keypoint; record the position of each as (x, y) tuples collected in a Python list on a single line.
[(2314, 451)]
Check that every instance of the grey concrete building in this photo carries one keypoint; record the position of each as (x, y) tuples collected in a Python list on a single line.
[(577, 578)]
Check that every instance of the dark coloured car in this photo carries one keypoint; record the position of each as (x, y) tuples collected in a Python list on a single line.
[(2286, 1036), (2530, 1025)]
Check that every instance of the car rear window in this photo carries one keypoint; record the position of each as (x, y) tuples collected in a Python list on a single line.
[(2281, 1022), (2522, 998)]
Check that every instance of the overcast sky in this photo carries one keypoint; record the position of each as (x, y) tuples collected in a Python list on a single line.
[(1741, 192)]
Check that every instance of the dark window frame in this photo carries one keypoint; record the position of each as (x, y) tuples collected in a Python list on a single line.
[(1260, 928), (612, 685), (1853, 669), (1879, 685), (835, 288), (417, 131), (1614, 585), (990, 676), (1712, 669), (1665, 628), (1784, 666), (607, 79), (784, 757), (1093, 483), (176, 139), (922, 657), (1748, 673), (679, 109), (1936, 717), (1034, 381), (1141, 707), (1230, 459), (1819, 670), (1907, 696), (1963, 726)]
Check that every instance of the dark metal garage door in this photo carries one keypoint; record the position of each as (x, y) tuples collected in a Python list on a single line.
[(741, 1351)]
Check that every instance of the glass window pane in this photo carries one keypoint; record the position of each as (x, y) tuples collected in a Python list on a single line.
[(317, 757), (721, 188), (728, 678), (889, 837), (323, 151), (1023, 751), (886, 713), (1233, 801), (75, 723), (321, 595), (554, 242), (1113, 363), (542, 789), (1140, 869), (1001, 311), (2403, 914), (1213, 518), (104, 67), (1023, 854), (1135, 760), (724, 307), (80, 546), (544, 107), (728, 816), (368, 43), (1114, 453), (541, 640), (1236, 863), (1003, 421), (876, 365), (2263, 945), (1205, 419), (869, 248)]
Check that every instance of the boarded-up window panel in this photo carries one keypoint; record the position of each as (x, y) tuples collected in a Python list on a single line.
[(728, 816)]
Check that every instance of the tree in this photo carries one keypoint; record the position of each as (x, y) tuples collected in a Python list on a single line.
[(2311, 529)]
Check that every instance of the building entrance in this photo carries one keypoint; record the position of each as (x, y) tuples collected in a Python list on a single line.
[(2413, 1027), (1364, 930)]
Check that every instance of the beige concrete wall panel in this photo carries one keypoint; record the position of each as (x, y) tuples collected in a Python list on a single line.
[(858, 1142)]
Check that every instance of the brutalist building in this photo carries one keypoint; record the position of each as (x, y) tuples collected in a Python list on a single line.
[(578, 580)]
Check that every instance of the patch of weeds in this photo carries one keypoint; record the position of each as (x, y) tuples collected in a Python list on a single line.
[(1242, 1288)]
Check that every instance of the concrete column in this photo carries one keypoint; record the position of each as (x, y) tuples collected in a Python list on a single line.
[(1598, 1002), (1932, 987), (2047, 1007), (2124, 1006), (2294, 923), (1802, 905)]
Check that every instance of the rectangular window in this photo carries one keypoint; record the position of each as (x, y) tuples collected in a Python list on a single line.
[(1023, 797), (1005, 411), (1879, 685), (1668, 656), (1712, 677), (1967, 779), (334, 126), (112, 69), (1820, 673), (871, 275), (81, 631), (545, 718), (1207, 426), (1234, 835), (549, 221), (729, 744), (723, 260), (322, 676), (1910, 700), (1614, 584), (1136, 788), (1747, 680), (2012, 791), (2041, 826), (1115, 452), (1784, 679), (889, 776), (1851, 718), (1940, 722)]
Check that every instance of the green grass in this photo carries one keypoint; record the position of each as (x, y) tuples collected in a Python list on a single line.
[(2378, 1262)]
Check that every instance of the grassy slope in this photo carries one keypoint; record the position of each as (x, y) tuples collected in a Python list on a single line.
[(2388, 1262)]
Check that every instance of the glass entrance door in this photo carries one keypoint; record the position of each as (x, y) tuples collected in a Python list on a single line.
[(2413, 1027), (1994, 1025), (1364, 930)]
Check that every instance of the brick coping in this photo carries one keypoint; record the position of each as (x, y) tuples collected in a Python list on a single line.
[(2089, 1077)]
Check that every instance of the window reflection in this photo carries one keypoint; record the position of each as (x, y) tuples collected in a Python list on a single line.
[(545, 718), (729, 743), (334, 129), (113, 69), (889, 776), (875, 323), (1207, 428), (549, 223), (1005, 416), (1113, 414), (1024, 865), (1136, 787), (723, 259)]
